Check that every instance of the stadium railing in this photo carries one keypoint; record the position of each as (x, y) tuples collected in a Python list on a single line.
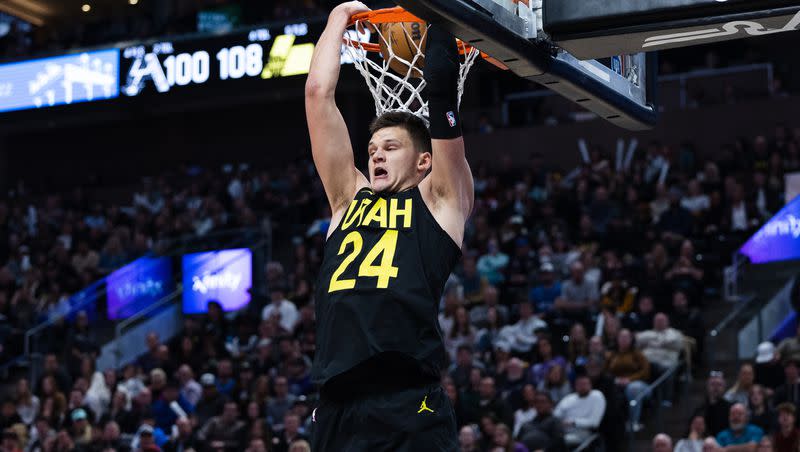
[(125, 326), (90, 298), (655, 394)]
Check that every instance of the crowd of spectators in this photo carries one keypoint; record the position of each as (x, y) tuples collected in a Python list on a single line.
[(576, 289), (757, 412)]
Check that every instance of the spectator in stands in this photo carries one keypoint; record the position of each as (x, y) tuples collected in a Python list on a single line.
[(492, 264), (504, 442), (688, 321), (740, 216), (163, 410), (661, 345), (546, 358), (715, 409), (544, 295), (739, 431), (578, 345), (150, 360), (642, 318), (676, 222), (472, 281), (579, 297), (190, 389), (490, 334), (685, 275), (662, 443), (555, 383), (462, 367), (761, 414), (581, 411), (521, 336), (527, 411), (281, 307), (545, 431), (478, 315), (211, 402), (28, 404), (226, 428), (630, 369), (695, 201), (789, 348), (768, 369), (111, 438), (462, 333), (765, 445), (740, 391), (185, 440), (694, 440), (290, 434), (82, 432), (281, 403), (467, 439), (787, 436), (490, 402), (617, 295), (789, 391)]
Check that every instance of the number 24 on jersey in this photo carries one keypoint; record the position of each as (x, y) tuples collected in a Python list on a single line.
[(383, 270)]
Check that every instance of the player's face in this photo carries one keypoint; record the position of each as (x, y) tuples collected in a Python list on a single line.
[(394, 163)]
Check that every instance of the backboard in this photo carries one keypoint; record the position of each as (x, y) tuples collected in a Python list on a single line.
[(513, 35), (601, 28)]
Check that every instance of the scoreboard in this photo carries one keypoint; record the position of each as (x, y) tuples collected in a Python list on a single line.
[(193, 66), (166, 66)]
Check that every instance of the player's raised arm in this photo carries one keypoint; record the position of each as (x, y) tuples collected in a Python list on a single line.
[(330, 141), (450, 187)]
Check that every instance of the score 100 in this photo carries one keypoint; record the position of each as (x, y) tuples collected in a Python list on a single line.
[(234, 63)]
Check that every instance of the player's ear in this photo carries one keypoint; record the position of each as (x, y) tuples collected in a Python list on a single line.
[(424, 161)]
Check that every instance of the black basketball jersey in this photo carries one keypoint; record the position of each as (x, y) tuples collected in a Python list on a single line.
[(377, 297)]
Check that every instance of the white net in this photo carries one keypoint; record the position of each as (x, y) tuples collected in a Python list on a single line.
[(393, 91)]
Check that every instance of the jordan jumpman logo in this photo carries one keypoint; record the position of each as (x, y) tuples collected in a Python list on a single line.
[(423, 406)]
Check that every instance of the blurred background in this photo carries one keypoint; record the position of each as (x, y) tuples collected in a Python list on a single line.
[(161, 227)]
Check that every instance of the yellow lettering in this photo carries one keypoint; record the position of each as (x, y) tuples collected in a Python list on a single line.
[(351, 217), (394, 212), (377, 213)]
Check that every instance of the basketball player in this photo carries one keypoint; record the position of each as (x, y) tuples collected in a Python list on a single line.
[(394, 238)]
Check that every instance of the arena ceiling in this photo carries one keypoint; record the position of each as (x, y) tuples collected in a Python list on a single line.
[(47, 12)]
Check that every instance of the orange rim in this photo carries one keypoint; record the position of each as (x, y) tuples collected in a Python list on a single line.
[(398, 14)]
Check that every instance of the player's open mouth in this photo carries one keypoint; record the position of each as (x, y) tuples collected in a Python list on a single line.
[(379, 173)]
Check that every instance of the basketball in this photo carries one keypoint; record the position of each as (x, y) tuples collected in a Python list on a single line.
[(404, 38)]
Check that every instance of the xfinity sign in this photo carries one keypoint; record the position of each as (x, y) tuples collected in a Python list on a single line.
[(778, 239), (224, 276)]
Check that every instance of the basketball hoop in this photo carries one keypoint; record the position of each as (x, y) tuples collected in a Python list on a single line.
[(393, 91)]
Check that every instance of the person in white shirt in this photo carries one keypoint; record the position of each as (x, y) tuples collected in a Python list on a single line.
[(527, 412), (695, 201), (522, 335), (662, 345), (581, 411), (281, 306), (190, 388)]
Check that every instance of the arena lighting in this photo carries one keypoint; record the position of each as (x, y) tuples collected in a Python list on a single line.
[(133, 2), (28, 11), (86, 7)]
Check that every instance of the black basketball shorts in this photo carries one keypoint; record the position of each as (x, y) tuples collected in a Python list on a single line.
[(418, 419)]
